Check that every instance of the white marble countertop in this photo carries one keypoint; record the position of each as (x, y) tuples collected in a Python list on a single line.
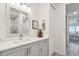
[(5, 45)]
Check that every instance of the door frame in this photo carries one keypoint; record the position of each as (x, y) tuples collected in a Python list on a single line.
[(51, 5), (67, 35)]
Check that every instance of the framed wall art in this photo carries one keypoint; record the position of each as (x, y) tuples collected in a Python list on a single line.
[(34, 24)]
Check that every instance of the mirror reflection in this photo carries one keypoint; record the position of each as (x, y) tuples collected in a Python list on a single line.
[(14, 16)]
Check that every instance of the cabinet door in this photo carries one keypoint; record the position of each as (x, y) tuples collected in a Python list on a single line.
[(32, 50), (15, 52), (44, 49)]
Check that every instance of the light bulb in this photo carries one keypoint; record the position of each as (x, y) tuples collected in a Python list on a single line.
[(74, 13)]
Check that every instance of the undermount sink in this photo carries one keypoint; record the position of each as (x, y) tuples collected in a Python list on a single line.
[(20, 41)]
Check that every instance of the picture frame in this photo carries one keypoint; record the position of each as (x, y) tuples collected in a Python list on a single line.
[(34, 24)]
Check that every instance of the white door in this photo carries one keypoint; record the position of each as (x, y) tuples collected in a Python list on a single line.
[(51, 29)]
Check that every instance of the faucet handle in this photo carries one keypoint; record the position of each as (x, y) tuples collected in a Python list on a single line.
[(21, 35)]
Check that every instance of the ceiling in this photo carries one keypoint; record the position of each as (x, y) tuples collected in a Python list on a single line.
[(73, 18), (70, 8)]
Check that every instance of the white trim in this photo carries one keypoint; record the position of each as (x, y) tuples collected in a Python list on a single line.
[(18, 8), (53, 5)]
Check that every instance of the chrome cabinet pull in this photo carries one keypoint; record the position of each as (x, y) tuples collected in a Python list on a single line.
[(41, 50), (29, 49)]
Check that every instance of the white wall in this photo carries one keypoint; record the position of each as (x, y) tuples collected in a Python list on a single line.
[(60, 29), (35, 9), (44, 15), (2, 21), (40, 11)]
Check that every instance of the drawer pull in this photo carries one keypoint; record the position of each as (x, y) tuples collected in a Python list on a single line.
[(41, 50), (29, 50)]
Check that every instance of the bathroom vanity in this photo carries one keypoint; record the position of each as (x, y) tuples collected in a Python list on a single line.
[(27, 47)]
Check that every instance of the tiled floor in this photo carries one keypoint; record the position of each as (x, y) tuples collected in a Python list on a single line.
[(73, 49)]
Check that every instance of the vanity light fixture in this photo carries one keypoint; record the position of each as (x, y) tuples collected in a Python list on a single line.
[(28, 9), (74, 13), (25, 6)]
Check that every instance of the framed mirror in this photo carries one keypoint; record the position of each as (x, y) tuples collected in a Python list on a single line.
[(18, 21)]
